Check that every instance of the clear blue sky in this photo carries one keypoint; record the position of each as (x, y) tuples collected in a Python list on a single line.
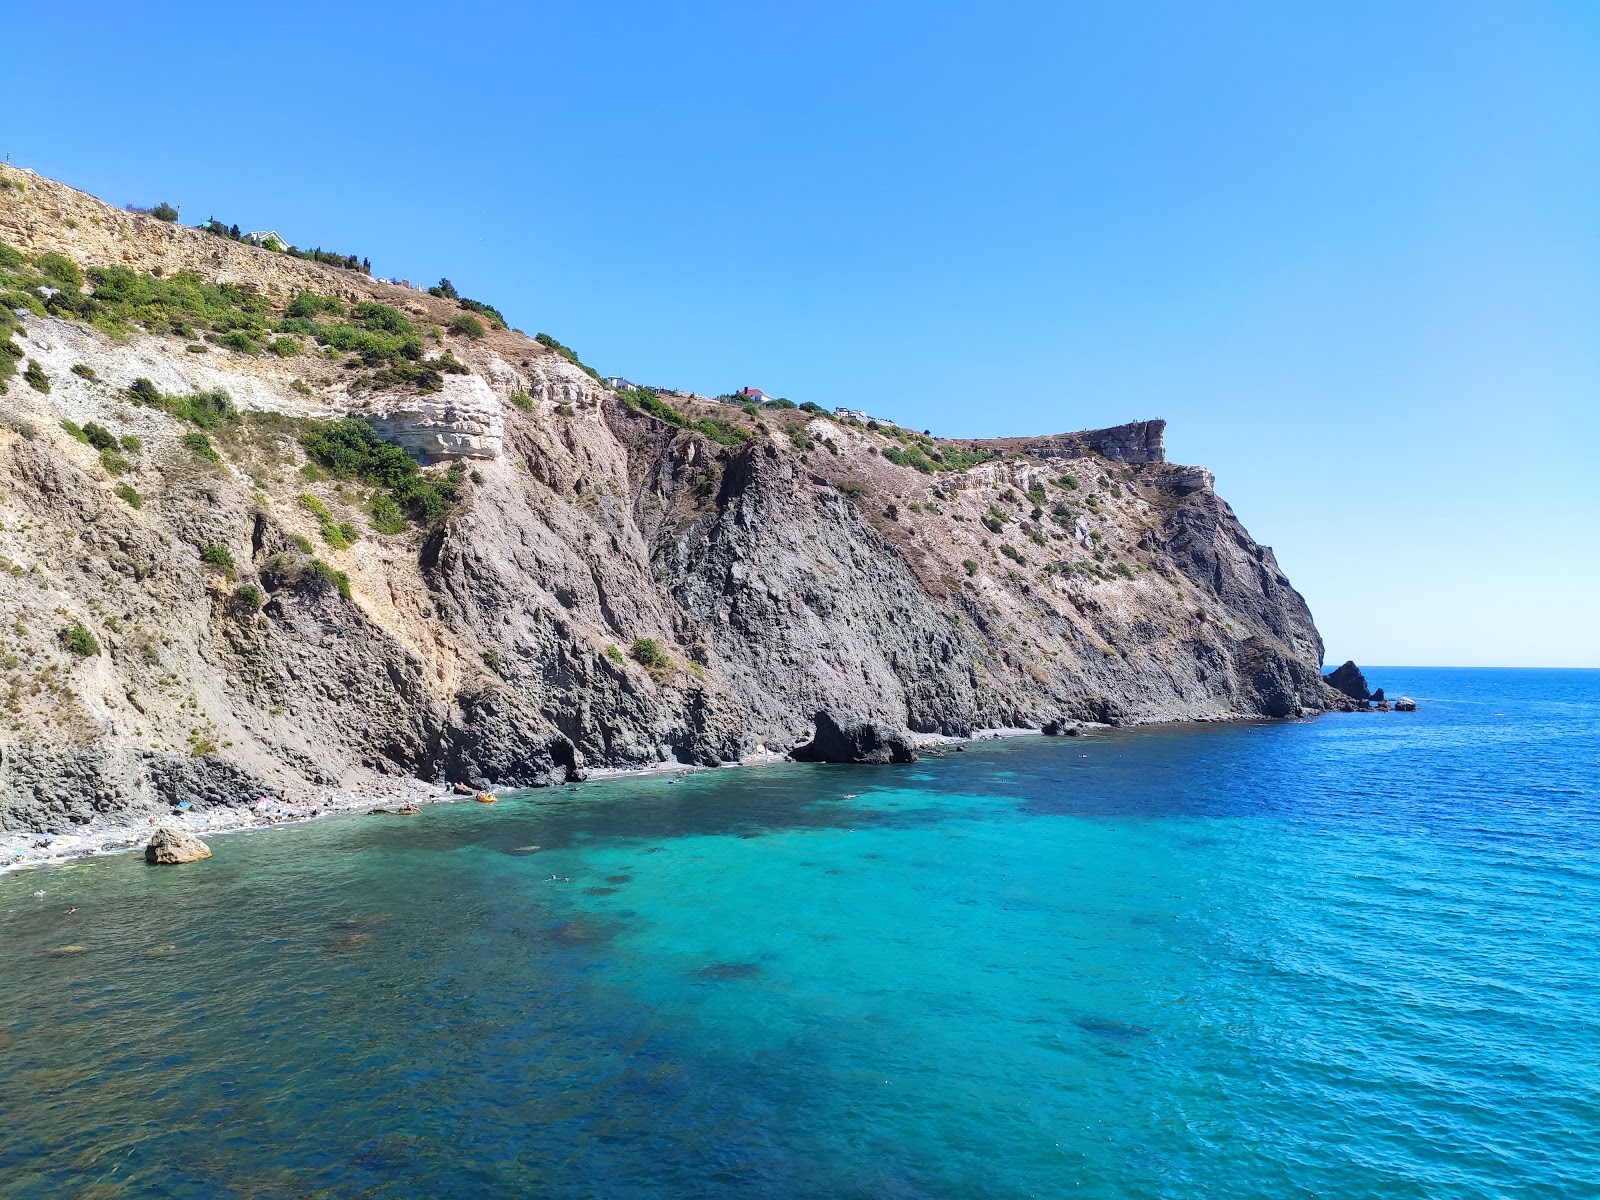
[(1350, 251)]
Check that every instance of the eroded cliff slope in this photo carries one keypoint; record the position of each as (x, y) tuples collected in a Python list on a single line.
[(210, 591)]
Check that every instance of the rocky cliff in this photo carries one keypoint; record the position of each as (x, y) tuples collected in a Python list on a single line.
[(208, 596)]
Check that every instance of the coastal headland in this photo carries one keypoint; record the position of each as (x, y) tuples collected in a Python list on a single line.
[(276, 532)]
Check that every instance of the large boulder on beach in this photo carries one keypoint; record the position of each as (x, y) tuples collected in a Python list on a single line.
[(172, 846), (1348, 680), (850, 739)]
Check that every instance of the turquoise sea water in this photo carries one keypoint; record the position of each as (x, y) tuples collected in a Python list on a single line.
[(1352, 957)]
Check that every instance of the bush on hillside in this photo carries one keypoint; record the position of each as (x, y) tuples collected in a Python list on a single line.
[(467, 325), (79, 640)]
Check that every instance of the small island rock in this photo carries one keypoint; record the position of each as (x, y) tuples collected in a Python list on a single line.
[(1349, 680), (172, 846), (1405, 704)]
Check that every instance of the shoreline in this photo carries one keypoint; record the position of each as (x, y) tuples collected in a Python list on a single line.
[(21, 852)]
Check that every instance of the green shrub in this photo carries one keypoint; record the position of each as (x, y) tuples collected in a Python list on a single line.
[(310, 304), (340, 535), (467, 325), (132, 443), (914, 458), (285, 346), (10, 355), (301, 542), (488, 311), (219, 556), (351, 450), (566, 352), (208, 410), (422, 375), (971, 565), (445, 290), (75, 431), (248, 597), (1011, 552), (1070, 482), (77, 639), (36, 378), (84, 371), (61, 271), (383, 317), (852, 489), (130, 496), (240, 341), (615, 655), (348, 261), (161, 212), (10, 257), (328, 576), (522, 400), (99, 436), (386, 514), (492, 661), (114, 463), (647, 653), (200, 446)]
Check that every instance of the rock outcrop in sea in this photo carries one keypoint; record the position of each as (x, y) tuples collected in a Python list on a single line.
[(273, 527), (1349, 681), (171, 847), (853, 739)]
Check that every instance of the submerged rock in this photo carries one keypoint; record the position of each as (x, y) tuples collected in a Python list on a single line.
[(172, 846), (1349, 681), (852, 739)]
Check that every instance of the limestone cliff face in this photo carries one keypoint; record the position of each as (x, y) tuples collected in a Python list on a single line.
[(607, 588)]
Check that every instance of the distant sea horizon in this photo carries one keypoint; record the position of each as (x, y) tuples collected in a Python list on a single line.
[(1351, 956)]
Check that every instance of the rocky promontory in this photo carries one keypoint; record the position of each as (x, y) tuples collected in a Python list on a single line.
[(272, 527)]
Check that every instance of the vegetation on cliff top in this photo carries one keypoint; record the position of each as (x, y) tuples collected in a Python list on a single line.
[(118, 300), (646, 400)]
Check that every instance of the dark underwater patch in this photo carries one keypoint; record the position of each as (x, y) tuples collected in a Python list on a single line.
[(1108, 1027)]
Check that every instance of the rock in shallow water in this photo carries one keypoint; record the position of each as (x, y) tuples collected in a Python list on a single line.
[(172, 846), (851, 739)]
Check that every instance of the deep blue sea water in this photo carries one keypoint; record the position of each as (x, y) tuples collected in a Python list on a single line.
[(1357, 956)]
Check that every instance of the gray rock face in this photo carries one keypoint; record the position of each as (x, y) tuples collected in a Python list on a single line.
[(852, 739), (1135, 442), (170, 847), (1349, 681)]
